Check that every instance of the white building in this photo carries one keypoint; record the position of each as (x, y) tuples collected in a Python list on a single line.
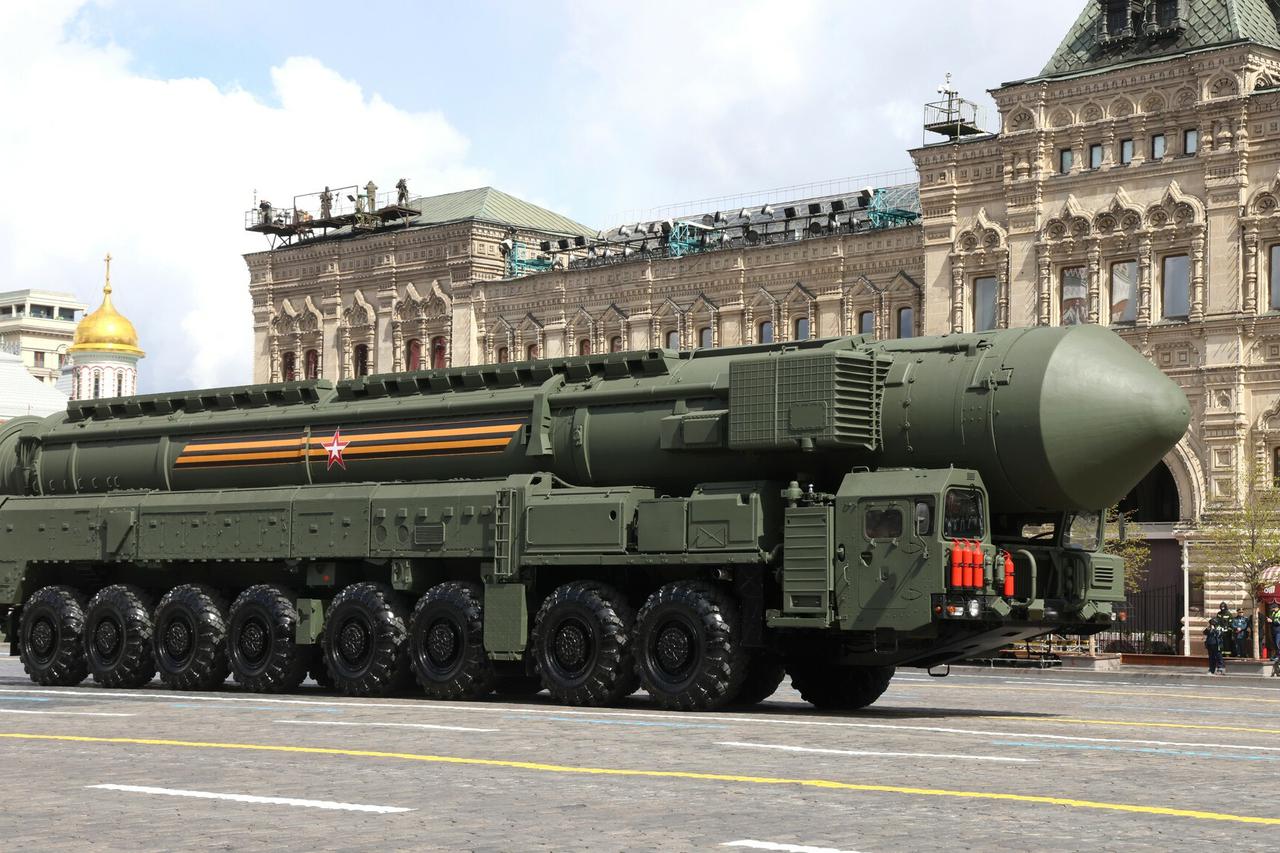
[(39, 324), (22, 394)]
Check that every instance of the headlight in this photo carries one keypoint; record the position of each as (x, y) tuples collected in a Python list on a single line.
[(974, 608)]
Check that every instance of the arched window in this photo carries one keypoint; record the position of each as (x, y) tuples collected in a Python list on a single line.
[(764, 332), (801, 329), (906, 322), (413, 355), (97, 385), (584, 346), (290, 368), (615, 343), (867, 323), (311, 364), (504, 355), (361, 360), (120, 383), (531, 352), (439, 353), (673, 339), (704, 337)]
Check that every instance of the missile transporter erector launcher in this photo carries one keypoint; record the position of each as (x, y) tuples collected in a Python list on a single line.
[(693, 523)]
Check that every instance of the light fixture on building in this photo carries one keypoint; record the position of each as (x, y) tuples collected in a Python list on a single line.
[(789, 212), (864, 197), (545, 245), (579, 241), (837, 205), (506, 246), (563, 244), (766, 210)]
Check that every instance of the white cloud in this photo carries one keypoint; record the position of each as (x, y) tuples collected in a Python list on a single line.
[(160, 171)]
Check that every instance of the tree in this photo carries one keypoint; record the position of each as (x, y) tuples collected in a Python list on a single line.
[(1244, 539), (1123, 538)]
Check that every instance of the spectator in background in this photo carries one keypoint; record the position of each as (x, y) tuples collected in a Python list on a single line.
[(1274, 618)]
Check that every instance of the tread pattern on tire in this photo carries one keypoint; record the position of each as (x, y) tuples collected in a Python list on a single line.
[(286, 666), (136, 665), (765, 673), (723, 666), (389, 618), (475, 677), (839, 688), (208, 667), (614, 675), (67, 666)]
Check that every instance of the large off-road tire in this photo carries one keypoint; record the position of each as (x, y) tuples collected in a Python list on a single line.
[(51, 636), (446, 643), (517, 686), (117, 637), (364, 640), (262, 646), (839, 688), (582, 644), (688, 647), (190, 641), (764, 673)]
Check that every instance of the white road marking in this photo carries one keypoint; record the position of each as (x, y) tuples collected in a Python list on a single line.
[(383, 725), (825, 751), (248, 798), (789, 848), (504, 708), (66, 713)]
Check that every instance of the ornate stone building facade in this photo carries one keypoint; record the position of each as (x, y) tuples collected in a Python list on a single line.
[(1134, 182)]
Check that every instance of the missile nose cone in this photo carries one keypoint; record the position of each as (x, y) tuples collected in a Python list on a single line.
[(1108, 416)]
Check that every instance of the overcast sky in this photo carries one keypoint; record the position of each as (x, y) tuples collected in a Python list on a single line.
[(144, 127)]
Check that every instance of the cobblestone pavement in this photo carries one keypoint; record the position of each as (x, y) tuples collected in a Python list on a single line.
[(977, 761)]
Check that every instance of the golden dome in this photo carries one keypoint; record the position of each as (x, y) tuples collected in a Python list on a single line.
[(106, 330)]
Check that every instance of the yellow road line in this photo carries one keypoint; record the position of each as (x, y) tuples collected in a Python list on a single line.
[(1135, 723), (662, 774)]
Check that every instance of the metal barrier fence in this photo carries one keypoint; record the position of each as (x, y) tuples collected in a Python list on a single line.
[(1149, 623)]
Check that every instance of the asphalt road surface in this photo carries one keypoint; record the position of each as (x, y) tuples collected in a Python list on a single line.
[(978, 761)]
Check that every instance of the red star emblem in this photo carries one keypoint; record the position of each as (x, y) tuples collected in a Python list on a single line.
[(334, 448)]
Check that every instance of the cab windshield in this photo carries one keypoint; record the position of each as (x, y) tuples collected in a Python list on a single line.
[(962, 516), (1083, 531)]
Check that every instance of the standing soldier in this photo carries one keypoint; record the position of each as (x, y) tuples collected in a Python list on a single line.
[(1274, 617), (1213, 636), (1241, 633), (371, 195), (326, 204), (402, 192)]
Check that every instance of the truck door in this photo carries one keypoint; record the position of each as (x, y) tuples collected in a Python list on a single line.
[(888, 552)]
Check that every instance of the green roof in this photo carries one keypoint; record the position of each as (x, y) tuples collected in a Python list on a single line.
[(492, 205), (1207, 23)]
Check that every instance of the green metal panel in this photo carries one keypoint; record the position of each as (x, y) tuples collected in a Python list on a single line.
[(807, 561), (796, 399), (725, 517), (333, 521), (506, 619), (581, 520), (242, 525), (662, 525), (62, 528)]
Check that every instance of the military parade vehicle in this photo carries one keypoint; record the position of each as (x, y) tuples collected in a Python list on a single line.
[(693, 523)]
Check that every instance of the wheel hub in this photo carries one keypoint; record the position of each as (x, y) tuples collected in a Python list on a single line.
[(177, 639), (106, 637), (353, 641), (253, 641), (571, 645), (442, 643), (675, 648), (42, 636)]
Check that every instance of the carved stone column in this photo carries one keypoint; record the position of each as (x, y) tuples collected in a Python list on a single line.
[(1002, 292), (1197, 276), (1095, 275), (397, 346), (299, 369), (275, 357), (344, 353), (1144, 280), (957, 295), (1044, 289), (1250, 295)]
